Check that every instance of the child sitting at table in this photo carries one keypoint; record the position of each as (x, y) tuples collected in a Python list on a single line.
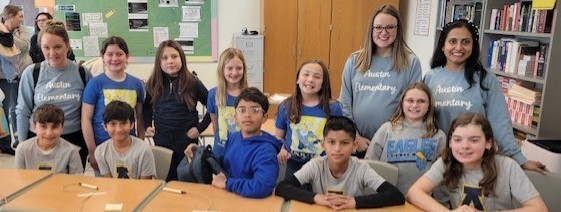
[(47, 150), (338, 180), (250, 155), (123, 155)]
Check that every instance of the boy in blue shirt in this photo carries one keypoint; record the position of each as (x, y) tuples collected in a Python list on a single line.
[(250, 155)]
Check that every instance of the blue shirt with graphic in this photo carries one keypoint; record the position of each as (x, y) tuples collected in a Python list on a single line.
[(101, 90), (302, 140), (225, 118)]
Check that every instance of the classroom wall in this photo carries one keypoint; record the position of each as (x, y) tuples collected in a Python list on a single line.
[(232, 17), (422, 45)]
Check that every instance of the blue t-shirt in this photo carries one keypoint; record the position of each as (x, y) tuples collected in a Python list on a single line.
[(302, 140), (225, 117), (101, 90)]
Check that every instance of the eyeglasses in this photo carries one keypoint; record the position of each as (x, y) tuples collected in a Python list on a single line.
[(251, 110), (388, 28), (419, 101)]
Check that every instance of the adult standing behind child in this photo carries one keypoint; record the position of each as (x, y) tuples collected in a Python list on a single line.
[(339, 180), (172, 93), (374, 77), (232, 79), (34, 48), (114, 84), (47, 150), (460, 84), (59, 82), (249, 158), (475, 175), (302, 116), (123, 156), (16, 37), (411, 140)]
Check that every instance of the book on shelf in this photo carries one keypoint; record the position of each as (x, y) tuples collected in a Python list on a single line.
[(540, 66), (524, 94), (521, 17), (462, 9), (507, 54)]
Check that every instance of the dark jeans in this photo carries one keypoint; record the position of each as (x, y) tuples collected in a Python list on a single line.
[(292, 166), (9, 104), (176, 141), (76, 138)]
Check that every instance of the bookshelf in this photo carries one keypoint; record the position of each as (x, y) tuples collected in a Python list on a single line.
[(549, 106)]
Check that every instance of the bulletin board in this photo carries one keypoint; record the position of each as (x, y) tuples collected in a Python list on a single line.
[(143, 24)]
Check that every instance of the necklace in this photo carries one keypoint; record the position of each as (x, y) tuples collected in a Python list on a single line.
[(171, 84)]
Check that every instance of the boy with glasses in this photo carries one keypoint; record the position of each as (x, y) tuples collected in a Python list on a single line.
[(250, 155)]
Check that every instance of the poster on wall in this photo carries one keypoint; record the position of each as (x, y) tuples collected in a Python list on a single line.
[(72, 21), (422, 17)]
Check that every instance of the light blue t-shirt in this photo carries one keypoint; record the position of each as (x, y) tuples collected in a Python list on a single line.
[(371, 98), (452, 98), (102, 90), (302, 140), (225, 117)]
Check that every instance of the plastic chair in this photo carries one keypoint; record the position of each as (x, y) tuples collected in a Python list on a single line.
[(386, 170), (162, 158), (548, 186)]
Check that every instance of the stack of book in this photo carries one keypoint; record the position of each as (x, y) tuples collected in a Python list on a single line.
[(520, 17), (523, 105)]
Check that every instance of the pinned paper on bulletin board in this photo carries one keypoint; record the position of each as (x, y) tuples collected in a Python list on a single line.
[(543, 4)]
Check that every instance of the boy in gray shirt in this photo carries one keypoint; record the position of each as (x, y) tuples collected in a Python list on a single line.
[(47, 150), (123, 156), (338, 180)]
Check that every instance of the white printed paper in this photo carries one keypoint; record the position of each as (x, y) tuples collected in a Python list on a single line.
[(188, 30), (191, 13), (91, 18), (98, 29), (160, 34), (91, 46), (76, 43)]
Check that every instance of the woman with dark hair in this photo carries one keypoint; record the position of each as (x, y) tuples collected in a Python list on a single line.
[(375, 76), (461, 84), (35, 50)]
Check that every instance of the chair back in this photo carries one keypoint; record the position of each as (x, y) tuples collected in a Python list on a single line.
[(549, 187), (162, 158), (386, 170)]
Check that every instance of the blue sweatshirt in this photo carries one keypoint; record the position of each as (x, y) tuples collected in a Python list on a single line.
[(251, 164), (452, 97), (225, 118), (371, 98)]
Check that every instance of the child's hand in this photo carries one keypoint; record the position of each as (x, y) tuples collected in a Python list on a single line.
[(320, 200), (465, 208), (535, 166), (150, 132), (193, 133), (189, 150), (219, 180), (362, 143), (283, 156), (93, 162), (340, 202)]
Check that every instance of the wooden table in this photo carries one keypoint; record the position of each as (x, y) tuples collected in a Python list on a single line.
[(300, 206), (268, 126), (199, 195), (62, 193), (15, 181)]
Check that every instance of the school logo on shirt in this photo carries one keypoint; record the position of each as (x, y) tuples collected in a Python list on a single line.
[(420, 151), (128, 96), (306, 137), (226, 123), (46, 166), (473, 197), (441, 101), (122, 170)]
